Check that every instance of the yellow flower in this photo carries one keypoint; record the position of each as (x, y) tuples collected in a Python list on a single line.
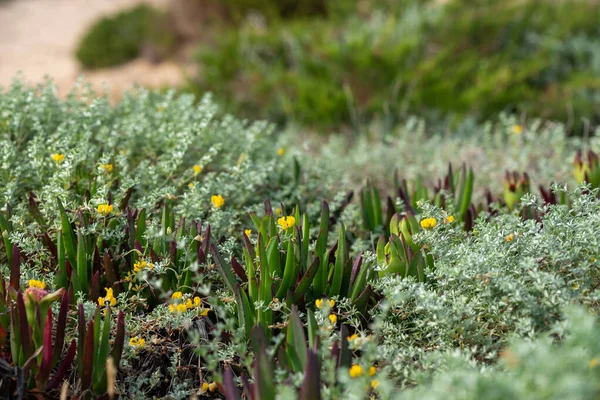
[(191, 185), (140, 265), (205, 386), (204, 312), (372, 371), (518, 129), (160, 108), (181, 308), (286, 222), (34, 283), (449, 219), (197, 301), (374, 383), (356, 371), (101, 301), (171, 308), (428, 223), (278, 211), (189, 304), (594, 362), (197, 169), (105, 209), (248, 232), (110, 297), (320, 303), (212, 386), (333, 318), (352, 337), (280, 151), (107, 168), (137, 342), (510, 238), (58, 158), (177, 295), (575, 286), (217, 201)]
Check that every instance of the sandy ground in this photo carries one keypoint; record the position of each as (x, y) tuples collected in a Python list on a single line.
[(38, 38)]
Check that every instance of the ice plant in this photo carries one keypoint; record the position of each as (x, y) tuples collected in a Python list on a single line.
[(428, 223), (286, 222), (58, 157), (515, 186), (217, 201), (105, 209), (588, 169)]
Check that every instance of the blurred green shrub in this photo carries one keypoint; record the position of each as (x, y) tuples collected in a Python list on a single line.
[(116, 39), (465, 58)]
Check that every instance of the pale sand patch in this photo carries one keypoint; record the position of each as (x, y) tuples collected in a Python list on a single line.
[(38, 38)]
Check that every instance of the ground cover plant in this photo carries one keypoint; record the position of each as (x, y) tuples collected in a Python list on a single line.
[(457, 58), (156, 249)]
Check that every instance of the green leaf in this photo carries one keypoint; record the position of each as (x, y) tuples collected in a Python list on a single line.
[(68, 235), (340, 263)]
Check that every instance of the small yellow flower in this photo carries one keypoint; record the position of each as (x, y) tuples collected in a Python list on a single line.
[(172, 308), (197, 169), (374, 383), (212, 386), (191, 185), (137, 342), (58, 158), (248, 232), (105, 209), (286, 222), (356, 371), (518, 129), (449, 219), (320, 303), (205, 386), (333, 318), (177, 295), (159, 108), (278, 211), (101, 301), (280, 151), (217, 201), (594, 362), (510, 238), (181, 308), (428, 223), (331, 303), (107, 168), (204, 312), (352, 337), (34, 283), (197, 301), (140, 265), (189, 303), (575, 286), (372, 371)]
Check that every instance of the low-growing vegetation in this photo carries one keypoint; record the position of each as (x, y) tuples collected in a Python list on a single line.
[(155, 249)]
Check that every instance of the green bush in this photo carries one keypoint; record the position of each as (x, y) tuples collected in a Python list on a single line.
[(465, 58), (116, 39)]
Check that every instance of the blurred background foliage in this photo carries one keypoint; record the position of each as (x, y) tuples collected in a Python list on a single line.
[(329, 64)]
